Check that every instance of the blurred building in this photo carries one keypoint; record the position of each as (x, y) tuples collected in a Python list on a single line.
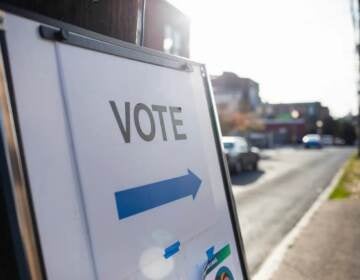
[(310, 112), (237, 100), (282, 132), (233, 93), (166, 28)]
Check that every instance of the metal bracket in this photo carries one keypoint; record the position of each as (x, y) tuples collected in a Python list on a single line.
[(135, 53), (53, 34)]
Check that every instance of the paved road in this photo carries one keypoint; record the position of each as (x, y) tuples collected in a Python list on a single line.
[(272, 200)]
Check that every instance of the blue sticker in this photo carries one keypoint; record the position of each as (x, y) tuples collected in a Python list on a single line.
[(210, 253), (172, 249)]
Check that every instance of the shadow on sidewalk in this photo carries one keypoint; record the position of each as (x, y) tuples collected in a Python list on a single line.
[(246, 177)]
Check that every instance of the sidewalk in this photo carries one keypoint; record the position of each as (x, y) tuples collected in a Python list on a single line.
[(329, 246)]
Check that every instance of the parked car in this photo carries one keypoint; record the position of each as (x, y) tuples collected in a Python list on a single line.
[(312, 141), (327, 140), (339, 141), (240, 155)]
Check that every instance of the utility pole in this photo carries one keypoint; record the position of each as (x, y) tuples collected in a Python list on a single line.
[(355, 12), (357, 34)]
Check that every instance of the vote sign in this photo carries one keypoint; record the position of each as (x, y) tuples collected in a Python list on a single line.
[(145, 157)]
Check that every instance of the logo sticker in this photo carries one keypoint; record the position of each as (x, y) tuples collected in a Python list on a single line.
[(224, 273)]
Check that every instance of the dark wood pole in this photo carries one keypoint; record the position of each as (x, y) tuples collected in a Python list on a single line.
[(115, 18)]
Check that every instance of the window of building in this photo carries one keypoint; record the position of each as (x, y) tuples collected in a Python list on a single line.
[(172, 40)]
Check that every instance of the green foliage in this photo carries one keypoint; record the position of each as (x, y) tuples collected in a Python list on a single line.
[(348, 180), (340, 192), (345, 129)]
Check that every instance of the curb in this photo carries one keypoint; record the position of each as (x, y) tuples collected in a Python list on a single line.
[(275, 258)]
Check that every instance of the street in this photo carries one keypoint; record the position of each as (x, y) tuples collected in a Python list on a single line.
[(271, 201)]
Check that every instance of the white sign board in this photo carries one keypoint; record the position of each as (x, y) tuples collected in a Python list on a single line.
[(123, 158)]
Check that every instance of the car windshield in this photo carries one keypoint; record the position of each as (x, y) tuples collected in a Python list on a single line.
[(312, 137), (228, 145)]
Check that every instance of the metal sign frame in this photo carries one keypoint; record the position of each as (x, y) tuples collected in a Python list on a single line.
[(13, 176)]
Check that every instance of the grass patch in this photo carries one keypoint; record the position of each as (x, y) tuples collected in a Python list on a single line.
[(348, 180), (340, 192)]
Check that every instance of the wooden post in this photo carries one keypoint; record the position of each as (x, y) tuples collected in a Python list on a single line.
[(115, 18)]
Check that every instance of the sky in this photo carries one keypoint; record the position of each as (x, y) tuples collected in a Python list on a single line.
[(297, 50)]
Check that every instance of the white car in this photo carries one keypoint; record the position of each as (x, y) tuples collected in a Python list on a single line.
[(240, 155)]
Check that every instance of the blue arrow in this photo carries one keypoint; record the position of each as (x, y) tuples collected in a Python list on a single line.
[(139, 199)]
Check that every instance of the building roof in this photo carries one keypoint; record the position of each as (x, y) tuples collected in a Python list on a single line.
[(231, 80)]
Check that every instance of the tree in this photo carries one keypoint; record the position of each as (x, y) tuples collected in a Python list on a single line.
[(344, 129)]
